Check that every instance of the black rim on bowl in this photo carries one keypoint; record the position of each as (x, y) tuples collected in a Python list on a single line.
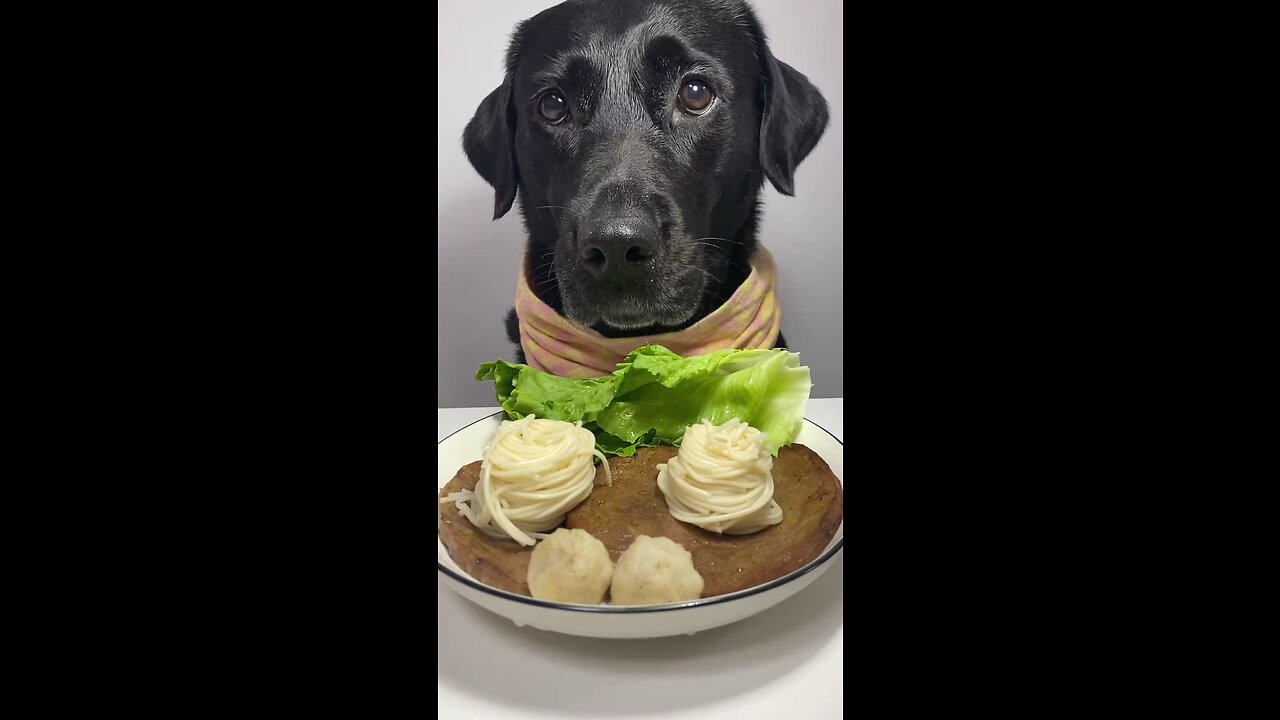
[(779, 582)]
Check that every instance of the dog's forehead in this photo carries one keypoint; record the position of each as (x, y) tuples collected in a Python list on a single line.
[(614, 35)]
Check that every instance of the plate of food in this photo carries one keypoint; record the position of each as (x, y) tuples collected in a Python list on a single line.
[(675, 496)]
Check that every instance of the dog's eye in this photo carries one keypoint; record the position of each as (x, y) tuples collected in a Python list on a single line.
[(696, 97), (553, 108)]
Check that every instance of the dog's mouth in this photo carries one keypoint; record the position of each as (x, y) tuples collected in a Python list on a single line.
[(622, 317), (664, 299)]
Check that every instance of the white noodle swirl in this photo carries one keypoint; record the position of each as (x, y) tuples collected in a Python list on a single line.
[(721, 480), (533, 473)]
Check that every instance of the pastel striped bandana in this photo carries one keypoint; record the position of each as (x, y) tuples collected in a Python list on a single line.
[(749, 319)]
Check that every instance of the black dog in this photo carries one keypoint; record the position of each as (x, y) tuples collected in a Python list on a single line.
[(639, 134)]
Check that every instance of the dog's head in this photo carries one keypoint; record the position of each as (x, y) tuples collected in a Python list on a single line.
[(638, 134)]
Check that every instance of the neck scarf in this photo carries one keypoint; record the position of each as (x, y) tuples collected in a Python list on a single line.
[(749, 319)]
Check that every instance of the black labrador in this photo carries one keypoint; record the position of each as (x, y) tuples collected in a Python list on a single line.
[(638, 134)]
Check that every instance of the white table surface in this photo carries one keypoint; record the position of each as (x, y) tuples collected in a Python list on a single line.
[(786, 663)]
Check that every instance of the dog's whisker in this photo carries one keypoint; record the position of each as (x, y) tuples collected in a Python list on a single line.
[(739, 242), (704, 272), (709, 246), (563, 210), (715, 296), (724, 255)]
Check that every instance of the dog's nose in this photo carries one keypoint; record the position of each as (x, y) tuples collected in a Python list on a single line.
[(617, 247)]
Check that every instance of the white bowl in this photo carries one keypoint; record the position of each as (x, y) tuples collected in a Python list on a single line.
[(605, 621)]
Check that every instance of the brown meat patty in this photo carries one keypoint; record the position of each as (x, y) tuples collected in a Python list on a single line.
[(500, 562), (809, 494), (811, 498)]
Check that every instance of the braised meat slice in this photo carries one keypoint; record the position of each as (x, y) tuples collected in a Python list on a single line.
[(811, 498)]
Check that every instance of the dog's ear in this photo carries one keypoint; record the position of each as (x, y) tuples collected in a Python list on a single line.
[(489, 142), (795, 116)]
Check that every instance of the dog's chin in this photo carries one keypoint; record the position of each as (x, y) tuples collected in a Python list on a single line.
[(620, 313), (628, 319), (622, 320)]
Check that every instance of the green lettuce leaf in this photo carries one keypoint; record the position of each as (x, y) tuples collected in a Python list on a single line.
[(655, 394)]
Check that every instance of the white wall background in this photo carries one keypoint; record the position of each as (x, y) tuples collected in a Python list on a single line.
[(479, 257)]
